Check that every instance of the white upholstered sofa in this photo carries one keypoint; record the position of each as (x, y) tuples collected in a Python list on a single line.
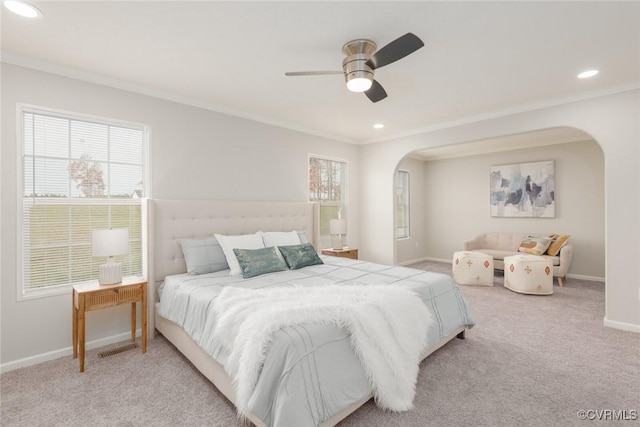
[(503, 244)]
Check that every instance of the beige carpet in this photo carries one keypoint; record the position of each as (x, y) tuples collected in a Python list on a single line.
[(530, 361)]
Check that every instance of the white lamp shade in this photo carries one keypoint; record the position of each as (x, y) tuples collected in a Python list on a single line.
[(338, 226), (110, 242)]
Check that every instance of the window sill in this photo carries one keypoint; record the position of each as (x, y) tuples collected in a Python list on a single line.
[(43, 292)]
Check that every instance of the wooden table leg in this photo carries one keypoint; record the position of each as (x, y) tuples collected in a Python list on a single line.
[(133, 322), (74, 321), (144, 317), (81, 330)]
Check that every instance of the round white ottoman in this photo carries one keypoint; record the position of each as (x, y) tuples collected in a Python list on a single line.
[(472, 268), (528, 274)]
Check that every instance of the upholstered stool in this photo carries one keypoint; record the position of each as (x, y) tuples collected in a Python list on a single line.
[(472, 268), (528, 274)]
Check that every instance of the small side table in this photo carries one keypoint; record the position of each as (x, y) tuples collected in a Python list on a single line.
[(528, 274), (472, 268), (344, 252), (93, 296)]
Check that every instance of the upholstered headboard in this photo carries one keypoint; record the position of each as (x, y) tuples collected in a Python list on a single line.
[(172, 220)]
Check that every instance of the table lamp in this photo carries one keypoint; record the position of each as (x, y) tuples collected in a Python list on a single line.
[(109, 243), (338, 227)]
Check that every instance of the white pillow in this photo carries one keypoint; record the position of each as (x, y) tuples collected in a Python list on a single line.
[(303, 237), (245, 241), (280, 238)]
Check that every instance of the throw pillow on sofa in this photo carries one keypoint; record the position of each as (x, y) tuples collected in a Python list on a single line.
[(535, 245), (557, 243)]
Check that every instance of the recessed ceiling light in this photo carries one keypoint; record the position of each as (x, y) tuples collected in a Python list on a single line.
[(23, 9), (587, 74), (378, 126)]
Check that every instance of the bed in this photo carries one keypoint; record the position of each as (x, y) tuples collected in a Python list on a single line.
[(312, 389)]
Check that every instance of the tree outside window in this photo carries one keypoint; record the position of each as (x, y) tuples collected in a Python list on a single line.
[(77, 174), (327, 186)]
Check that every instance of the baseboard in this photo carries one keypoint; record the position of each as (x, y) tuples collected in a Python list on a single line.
[(629, 327), (582, 277), (448, 261), (414, 261), (64, 352), (445, 260)]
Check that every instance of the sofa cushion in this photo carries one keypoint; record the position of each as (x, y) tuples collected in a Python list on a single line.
[(554, 259), (503, 241), (496, 253)]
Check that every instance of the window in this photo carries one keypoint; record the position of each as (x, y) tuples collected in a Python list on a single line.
[(402, 205), (327, 186), (77, 174)]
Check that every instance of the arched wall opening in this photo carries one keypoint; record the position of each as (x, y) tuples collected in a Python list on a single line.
[(611, 120), (449, 196)]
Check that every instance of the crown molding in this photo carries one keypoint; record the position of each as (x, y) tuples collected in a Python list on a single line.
[(96, 78), (553, 102)]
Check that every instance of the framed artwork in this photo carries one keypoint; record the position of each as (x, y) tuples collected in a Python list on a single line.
[(523, 190)]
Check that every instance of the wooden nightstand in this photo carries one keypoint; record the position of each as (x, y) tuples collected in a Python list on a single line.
[(92, 296), (345, 252)]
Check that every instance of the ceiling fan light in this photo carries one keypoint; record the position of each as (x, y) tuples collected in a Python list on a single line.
[(358, 75), (359, 84)]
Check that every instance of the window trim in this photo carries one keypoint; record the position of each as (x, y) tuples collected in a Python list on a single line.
[(345, 198), (408, 206), (21, 108), (344, 205)]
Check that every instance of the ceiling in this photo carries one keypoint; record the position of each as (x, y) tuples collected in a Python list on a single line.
[(480, 58)]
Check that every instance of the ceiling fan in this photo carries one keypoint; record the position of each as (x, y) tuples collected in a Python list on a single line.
[(362, 59)]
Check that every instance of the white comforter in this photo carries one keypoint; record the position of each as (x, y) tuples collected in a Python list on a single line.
[(310, 372), (387, 328)]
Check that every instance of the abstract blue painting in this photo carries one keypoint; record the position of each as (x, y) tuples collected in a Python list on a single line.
[(523, 190)]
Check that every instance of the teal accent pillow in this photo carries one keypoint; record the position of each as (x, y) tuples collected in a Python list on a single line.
[(203, 256), (298, 256), (254, 262)]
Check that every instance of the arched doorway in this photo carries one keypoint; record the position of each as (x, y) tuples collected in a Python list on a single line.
[(612, 121), (450, 196)]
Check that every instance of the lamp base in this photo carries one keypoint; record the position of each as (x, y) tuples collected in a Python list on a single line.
[(110, 273), (337, 243)]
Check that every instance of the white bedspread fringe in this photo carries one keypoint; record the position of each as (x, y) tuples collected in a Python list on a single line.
[(387, 326)]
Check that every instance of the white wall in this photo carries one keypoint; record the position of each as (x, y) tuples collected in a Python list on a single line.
[(611, 120), (413, 248), (457, 206), (195, 153)]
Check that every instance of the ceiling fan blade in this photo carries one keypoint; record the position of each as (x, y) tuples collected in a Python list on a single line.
[(397, 49), (312, 73), (376, 92)]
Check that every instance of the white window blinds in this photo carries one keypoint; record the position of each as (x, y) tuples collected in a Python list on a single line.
[(402, 205), (77, 175)]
